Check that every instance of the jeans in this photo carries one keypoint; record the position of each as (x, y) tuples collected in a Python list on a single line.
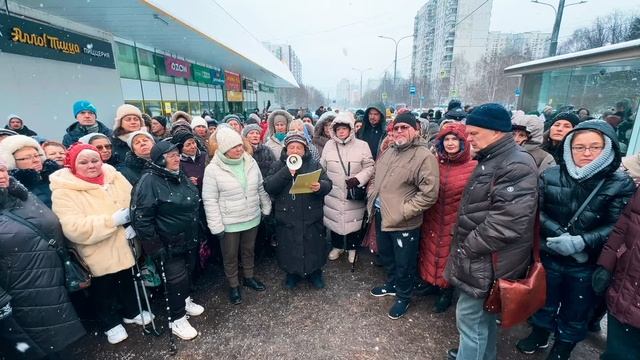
[(398, 251), (477, 328), (569, 290)]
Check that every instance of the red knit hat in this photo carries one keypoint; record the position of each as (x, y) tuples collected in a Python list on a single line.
[(72, 154)]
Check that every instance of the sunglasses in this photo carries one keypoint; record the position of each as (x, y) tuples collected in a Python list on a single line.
[(103, 147), (399, 128)]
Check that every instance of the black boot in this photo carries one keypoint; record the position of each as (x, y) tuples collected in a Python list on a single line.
[(561, 350), (444, 301), (538, 339), (316, 279), (422, 288), (254, 284), (234, 295), (291, 281)]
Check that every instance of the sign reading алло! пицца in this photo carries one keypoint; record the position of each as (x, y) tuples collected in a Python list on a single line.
[(29, 38)]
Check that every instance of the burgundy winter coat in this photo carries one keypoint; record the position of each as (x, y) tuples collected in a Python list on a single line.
[(439, 220), (195, 167), (621, 256)]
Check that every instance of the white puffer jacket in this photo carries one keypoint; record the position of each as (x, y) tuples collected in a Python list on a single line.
[(344, 216), (225, 201)]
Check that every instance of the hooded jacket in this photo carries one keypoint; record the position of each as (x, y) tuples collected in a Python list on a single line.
[(319, 138), (32, 280), (495, 217), (406, 180), (301, 235), (272, 143), (85, 211), (24, 130), (226, 202), (534, 127), (75, 131), (561, 196), (440, 219), (344, 216), (165, 211), (373, 135)]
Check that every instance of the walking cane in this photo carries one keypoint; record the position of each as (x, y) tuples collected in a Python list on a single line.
[(172, 344), (137, 281)]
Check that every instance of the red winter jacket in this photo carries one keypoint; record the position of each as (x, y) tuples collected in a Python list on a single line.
[(439, 220), (621, 256)]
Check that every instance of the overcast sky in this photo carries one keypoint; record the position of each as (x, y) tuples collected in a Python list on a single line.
[(331, 37)]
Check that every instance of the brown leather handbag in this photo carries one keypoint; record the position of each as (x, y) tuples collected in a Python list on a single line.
[(517, 300)]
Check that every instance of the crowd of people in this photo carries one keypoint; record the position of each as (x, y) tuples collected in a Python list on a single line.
[(446, 200)]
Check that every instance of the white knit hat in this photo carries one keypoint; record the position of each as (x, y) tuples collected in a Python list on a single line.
[(124, 110), (227, 138), (198, 121), (11, 144)]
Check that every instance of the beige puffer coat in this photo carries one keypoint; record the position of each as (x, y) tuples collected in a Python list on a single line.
[(85, 211), (344, 216)]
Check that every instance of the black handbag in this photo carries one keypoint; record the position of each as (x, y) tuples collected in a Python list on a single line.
[(356, 193), (76, 272)]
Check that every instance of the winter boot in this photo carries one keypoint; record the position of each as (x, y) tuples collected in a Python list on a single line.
[(561, 350), (316, 279), (422, 288), (234, 295), (538, 339), (335, 253), (291, 281), (444, 301)]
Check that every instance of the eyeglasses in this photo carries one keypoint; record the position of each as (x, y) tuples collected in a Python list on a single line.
[(592, 149), (400, 128), (103, 147), (31, 158)]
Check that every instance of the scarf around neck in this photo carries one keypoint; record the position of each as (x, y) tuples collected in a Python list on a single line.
[(603, 160)]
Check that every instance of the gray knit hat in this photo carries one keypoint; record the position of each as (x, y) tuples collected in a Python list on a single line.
[(249, 128), (295, 136)]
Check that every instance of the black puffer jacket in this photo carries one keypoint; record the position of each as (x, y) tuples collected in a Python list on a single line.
[(561, 196), (496, 216), (132, 167), (119, 150), (24, 130), (38, 182), (32, 277), (165, 211), (265, 159), (373, 135), (302, 247)]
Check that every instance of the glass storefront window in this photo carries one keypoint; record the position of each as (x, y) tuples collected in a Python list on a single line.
[(183, 106), (153, 107), (195, 108), (158, 61), (127, 63), (147, 65), (136, 103)]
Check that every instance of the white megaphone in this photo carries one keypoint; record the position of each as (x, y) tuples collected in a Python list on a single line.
[(294, 162)]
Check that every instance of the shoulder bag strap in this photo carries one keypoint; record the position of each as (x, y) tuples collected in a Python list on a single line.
[(584, 205), (346, 173)]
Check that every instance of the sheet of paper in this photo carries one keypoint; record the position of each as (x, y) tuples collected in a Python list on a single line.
[(303, 182)]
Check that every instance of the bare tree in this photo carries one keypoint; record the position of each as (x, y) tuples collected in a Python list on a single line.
[(305, 96), (491, 85), (609, 29)]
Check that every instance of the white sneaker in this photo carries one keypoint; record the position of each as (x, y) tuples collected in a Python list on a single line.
[(192, 308), (144, 315), (182, 329), (352, 256), (335, 253), (116, 334)]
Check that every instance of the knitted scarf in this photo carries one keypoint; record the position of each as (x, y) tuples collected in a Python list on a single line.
[(602, 161)]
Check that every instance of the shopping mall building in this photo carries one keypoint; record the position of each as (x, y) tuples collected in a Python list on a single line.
[(160, 55)]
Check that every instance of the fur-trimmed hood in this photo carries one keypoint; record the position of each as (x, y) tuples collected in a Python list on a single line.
[(180, 114), (344, 118), (272, 116)]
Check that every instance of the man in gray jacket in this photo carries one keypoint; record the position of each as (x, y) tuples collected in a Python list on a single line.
[(405, 184), (494, 233)]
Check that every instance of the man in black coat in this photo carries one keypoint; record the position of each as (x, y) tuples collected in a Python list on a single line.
[(373, 129), (494, 233), (85, 114), (36, 316)]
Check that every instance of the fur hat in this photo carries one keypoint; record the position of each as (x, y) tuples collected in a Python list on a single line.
[(181, 126), (490, 116), (83, 105), (249, 128), (136, 133), (227, 138), (180, 138), (11, 144), (198, 121), (180, 114), (124, 110)]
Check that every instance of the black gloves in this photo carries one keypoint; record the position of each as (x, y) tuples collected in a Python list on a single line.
[(352, 182), (601, 280)]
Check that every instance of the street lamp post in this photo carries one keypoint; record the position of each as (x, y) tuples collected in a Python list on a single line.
[(361, 72), (395, 58), (553, 46)]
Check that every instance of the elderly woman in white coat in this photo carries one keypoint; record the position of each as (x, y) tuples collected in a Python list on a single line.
[(349, 165), (234, 200)]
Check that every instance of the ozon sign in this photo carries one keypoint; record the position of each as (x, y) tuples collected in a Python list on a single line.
[(178, 68)]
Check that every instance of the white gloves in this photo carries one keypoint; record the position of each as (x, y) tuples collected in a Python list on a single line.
[(121, 217), (129, 233)]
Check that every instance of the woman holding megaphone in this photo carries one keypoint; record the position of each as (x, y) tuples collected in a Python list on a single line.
[(301, 249)]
